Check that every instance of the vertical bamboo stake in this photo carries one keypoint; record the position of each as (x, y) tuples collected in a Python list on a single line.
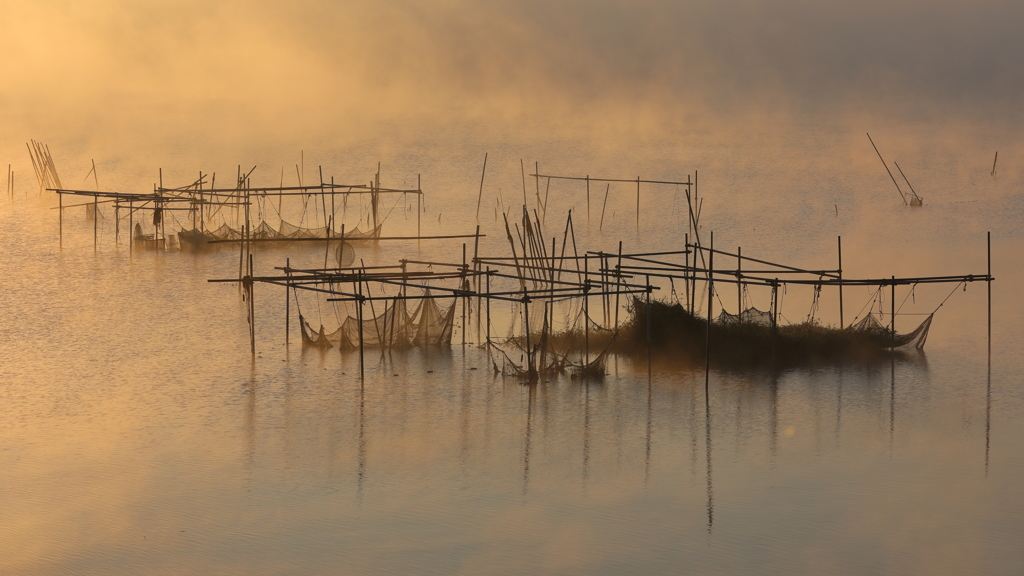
[(602, 263), (60, 219), (529, 350), (586, 311), (487, 281), (549, 325), (739, 284), (842, 324), (707, 344), (988, 282), (536, 183), (287, 300), (588, 199), (252, 310), (892, 307), (241, 252), (476, 279), (522, 170), (686, 272), (775, 315), (638, 203), (95, 222), (618, 286), (462, 284), (648, 328), (359, 312)]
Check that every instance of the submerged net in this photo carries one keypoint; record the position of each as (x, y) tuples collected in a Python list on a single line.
[(553, 351)]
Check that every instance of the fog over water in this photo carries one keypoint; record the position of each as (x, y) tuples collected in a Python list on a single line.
[(138, 435)]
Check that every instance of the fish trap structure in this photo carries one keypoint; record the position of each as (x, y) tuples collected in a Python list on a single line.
[(416, 303), (204, 217), (756, 337)]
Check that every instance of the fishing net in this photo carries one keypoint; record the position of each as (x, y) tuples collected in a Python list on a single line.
[(434, 324), (429, 325), (749, 316), (912, 340), (319, 339)]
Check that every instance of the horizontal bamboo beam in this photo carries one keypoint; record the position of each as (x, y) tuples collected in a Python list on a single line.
[(345, 238), (630, 180)]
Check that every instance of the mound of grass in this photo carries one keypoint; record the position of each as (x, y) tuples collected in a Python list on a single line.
[(674, 331)]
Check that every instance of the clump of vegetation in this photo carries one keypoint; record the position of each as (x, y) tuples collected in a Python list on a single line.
[(674, 331)]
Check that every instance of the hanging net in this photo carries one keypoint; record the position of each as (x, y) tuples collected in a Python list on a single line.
[(429, 325), (434, 324), (913, 340), (749, 316), (197, 238)]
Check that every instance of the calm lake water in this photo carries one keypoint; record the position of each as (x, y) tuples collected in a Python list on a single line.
[(139, 437)]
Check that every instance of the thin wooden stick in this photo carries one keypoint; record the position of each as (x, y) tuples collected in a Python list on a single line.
[(480, 196), (603, 206), (887, 171)]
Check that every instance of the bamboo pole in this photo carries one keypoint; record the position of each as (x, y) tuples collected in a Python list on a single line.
[(648, 328), (739, 284), (586, 310), (287, 301), (638, 203), (522, 171), (603, 206), (547, 189), (530, 374), (775, 316), (988, 244), (480, 196), (359, 312), (912, 191), (707, 343), (252, 309), (487, 286), (887, 171), (686, 273), (462, 281), (842, 324), (588, 200), (536, 183), (618, 286), (476, 279), (892, 307)]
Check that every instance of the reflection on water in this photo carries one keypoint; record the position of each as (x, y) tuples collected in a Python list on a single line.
[(140, 437)]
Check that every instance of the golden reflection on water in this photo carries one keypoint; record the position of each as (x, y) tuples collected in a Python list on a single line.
[(139, 436)]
